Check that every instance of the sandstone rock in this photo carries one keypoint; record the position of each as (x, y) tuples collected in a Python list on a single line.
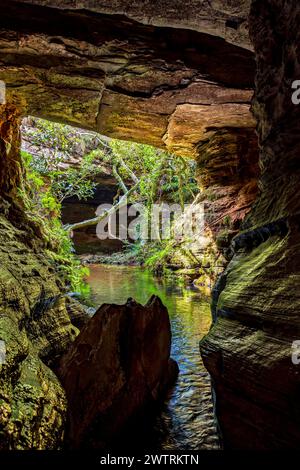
[(227, 172), (147, 74), (224, 18), (117, 368), (77, 312), (34, 324), (257, 302), (129, 76), (143, 74)]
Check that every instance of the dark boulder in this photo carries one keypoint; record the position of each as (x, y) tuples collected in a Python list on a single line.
[(116, 370)]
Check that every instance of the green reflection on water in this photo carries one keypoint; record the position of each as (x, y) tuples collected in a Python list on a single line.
[(115, 284), (187, 419)]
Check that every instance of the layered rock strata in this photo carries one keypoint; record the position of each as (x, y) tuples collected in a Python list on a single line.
[(35, 327), (256, 301), (181, 88)]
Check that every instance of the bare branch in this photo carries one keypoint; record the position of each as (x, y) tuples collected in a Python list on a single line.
[(119, 179), (90, 222), (129, 171)]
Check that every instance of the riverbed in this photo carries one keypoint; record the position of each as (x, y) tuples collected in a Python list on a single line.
[(186, 420)]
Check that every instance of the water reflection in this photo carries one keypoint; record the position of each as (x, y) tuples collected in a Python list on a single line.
[(186, 421)]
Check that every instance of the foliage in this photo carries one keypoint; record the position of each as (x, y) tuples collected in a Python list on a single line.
[(42, 205), (158, 258), (227, 221), (162, 176), (57, 143), (68, 266), (157, 176)]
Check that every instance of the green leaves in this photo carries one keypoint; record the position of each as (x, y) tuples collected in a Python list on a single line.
[(64, 163)]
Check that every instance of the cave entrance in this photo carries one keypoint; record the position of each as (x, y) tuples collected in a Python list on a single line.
[(183, 86), (71, 173)]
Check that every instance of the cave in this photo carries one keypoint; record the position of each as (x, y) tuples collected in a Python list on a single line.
[(211, 81)]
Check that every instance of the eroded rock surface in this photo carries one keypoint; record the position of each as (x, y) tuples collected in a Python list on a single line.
[(256, 301), (227, 173), (34, 324), (116, 369), (187, 89), (224, 18), (106, 68)]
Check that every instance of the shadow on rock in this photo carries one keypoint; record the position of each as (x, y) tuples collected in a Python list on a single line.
[(116, 372)]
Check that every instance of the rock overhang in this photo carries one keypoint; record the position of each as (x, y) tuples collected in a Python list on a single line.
[(119, 70)]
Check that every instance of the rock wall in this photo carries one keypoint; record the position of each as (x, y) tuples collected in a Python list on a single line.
[(227, 173), (256, 301), (34, 324)]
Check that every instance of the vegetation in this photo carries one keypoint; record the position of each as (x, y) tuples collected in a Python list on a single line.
[(144, 174), (42, 205), (58, 143)]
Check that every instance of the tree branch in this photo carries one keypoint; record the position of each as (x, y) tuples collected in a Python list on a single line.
[(90, 222), (119, 179)]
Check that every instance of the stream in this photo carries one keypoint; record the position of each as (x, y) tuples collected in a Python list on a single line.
[(186, 419)]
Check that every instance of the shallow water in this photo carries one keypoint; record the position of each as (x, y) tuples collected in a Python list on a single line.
[(186, 420)]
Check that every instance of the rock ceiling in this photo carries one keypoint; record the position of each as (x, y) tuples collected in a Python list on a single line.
[(133, 70)]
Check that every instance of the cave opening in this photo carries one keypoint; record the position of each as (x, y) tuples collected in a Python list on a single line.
[(215, 166), (183, 83), (72, 172)]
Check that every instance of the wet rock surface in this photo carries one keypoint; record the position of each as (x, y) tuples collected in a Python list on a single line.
[(117, 369)]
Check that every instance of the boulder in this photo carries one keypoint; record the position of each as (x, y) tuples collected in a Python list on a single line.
[(116, 370)]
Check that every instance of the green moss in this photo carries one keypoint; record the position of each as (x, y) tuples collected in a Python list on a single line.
[(227, 221), (246, 272), (44, 210), (38, 408)]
